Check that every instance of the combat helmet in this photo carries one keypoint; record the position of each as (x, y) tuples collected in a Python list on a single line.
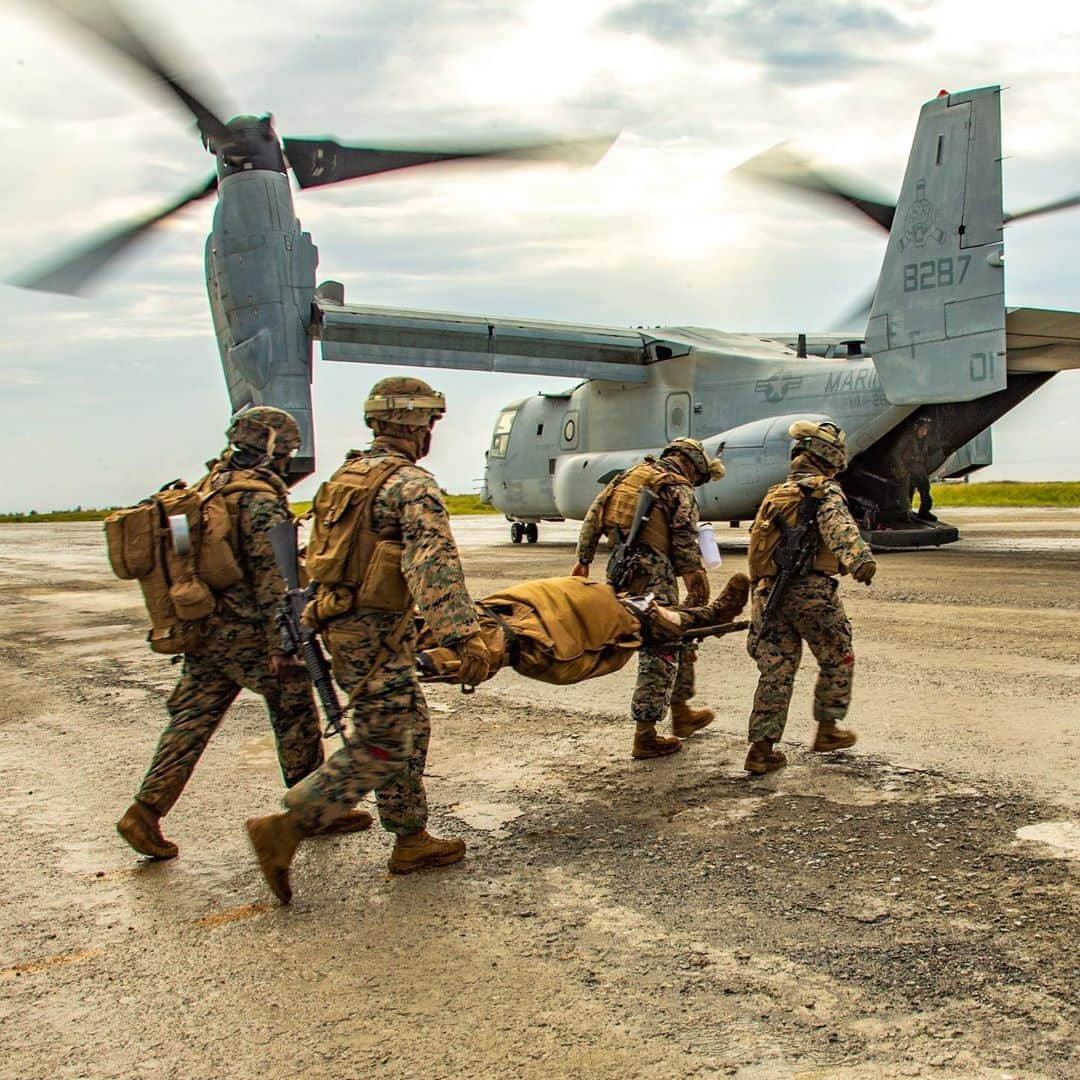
[(403, 401), (824, 441), (264, 428), (705, 468)]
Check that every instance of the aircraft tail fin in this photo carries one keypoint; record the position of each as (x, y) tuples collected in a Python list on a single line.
[(937, 324)]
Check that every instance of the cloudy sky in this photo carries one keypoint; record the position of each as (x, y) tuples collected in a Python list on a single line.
[(104, 398)]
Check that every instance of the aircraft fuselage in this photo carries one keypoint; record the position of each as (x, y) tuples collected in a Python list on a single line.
[(550, 453)]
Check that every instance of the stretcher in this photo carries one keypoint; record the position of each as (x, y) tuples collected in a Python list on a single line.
[(565, 630)]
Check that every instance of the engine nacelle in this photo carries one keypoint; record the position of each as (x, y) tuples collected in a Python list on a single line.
[(261, 281)]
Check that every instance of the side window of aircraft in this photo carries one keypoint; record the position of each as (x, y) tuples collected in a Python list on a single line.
[(500, 439), (569, 434)]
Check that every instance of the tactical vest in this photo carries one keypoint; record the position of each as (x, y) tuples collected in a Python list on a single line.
[(621, 502), (180, 574), (355, 565), (782, 501)]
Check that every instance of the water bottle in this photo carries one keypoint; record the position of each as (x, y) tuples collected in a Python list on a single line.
[(710, 553)]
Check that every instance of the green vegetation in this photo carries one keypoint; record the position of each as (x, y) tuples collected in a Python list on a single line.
[(456, 504), (78, 514), (1008, 493), (467, 504), (1002, 493)]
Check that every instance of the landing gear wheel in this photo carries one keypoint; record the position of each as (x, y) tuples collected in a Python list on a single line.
[(517, 532), (532, 532)]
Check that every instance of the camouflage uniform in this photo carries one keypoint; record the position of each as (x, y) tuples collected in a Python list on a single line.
[(240, 637), (663, 676), (810, 611), (911, 467), (373, 661)]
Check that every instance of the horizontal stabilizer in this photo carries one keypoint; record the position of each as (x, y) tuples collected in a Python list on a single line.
[(1041, 340), (374, 335)]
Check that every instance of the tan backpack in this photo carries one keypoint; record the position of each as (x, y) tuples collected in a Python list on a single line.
[(344, 553), (178, 544), (621, 501), (781, 504)]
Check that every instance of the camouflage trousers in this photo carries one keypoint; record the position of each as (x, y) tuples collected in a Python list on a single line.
[(921, 484), (234, 657), (811, 612), (664, 675), (387, 742), (908, 483)]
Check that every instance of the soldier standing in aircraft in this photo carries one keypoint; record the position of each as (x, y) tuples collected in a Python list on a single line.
[(911, 467), (380, 546), (810, 609), (241, 646), (668, 547)]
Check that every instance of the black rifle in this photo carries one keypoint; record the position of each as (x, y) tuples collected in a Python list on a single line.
[(620, 567), (793, 555), (717, 630), (296, 638)]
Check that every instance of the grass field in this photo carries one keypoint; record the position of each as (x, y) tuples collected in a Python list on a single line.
[(33, 516), (1008, 493), (1004, 493), (456, 504)]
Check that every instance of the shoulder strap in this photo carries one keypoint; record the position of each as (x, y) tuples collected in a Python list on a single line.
[(240, 480)]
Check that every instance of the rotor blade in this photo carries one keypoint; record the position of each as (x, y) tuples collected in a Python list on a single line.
[(104, 21), (1046, 208), (785, 167), (74, 272), (317, 162), (857, 316)]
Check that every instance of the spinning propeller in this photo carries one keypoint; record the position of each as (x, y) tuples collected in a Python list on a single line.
[(782, 166), (249, 142)]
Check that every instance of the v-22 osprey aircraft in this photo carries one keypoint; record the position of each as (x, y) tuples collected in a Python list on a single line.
[(940, 340)]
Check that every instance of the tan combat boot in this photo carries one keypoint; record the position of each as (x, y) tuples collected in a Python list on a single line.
[(420, 851), (353, 821), (763, 759), (829, 738), (141, 829), (647, 744), (275, 839), (685, 719)]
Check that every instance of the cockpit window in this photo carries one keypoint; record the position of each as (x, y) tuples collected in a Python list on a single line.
[(500, 439)]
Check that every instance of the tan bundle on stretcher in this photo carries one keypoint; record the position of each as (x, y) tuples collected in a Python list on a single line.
[(565, 630)]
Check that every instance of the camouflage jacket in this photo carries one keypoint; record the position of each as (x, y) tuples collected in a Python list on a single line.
[(911, 454), (679, 506), (256, 599), (836, 526), (411, 504)]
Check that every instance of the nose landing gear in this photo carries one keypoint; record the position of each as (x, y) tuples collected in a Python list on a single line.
[(519, 531)]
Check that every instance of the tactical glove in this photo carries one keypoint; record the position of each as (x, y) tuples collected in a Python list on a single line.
[(697, 588), (865, 571), (283, 666), (475, 660)]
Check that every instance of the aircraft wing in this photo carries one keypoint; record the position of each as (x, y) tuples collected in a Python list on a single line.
[(375, 335), (1040, 340)]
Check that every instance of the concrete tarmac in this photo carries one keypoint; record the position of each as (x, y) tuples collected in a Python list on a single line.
[(907, 908)]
